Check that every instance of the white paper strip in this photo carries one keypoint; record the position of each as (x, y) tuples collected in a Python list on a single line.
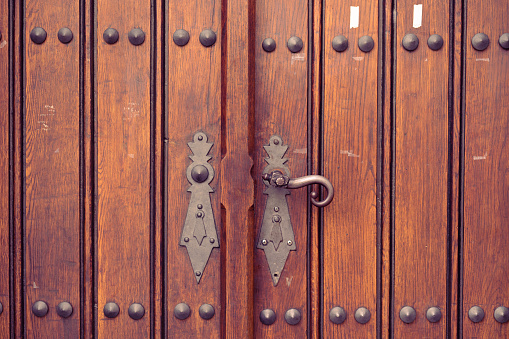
[(417, 16), (354, 16)]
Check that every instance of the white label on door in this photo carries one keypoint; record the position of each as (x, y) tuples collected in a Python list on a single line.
[(354, 16), (417, 16)]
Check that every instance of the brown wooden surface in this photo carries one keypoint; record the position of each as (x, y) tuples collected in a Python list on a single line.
[(422, 139), (51, 112), (194, 104), (5, 125), (486, 186), (281, 109), (123, 133), (350, 163)]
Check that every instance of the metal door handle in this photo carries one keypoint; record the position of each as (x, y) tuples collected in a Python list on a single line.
[(278, 179)]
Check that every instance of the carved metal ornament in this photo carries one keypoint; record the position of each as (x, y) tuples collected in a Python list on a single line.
[(199, 233)]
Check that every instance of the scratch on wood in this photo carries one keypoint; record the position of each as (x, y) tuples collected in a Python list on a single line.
[(301, 150), (131, 111), (2, 45), (289, 281), (358, 58), (482, 59), (298, 57), (349, 153), (481, 157), (35, 285)]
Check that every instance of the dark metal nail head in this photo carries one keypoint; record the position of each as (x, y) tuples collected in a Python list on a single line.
[(476, 314), (40, 308), (292, 316), (181, 37), (65, 35), (136, 36), (295, 45), (366, 43), (267, 316), (504, 41), (480, 41), (340, 43), (110, 36), (208, 37), (435, 42), (410, 42), (269, 45), (38, 35), (64, 309), (407, 314), (362, 315), (199, 173), (501, 314), (433, 314), (182, 311), (136, 311), (206, 311), (337, 315), (111, 310)]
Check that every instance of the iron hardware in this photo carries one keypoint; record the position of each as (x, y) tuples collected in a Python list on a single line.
[(40, 308), (38, 35), (410, 42), (435, 42), (111, 310), (480, 41), (136, 311), (182, 311), (340, 43), (199, 223), (295, 44), (337, 315), (504, 41), (1, 308), (292, 316), (276, 225), (208, 37), (110, 36), (269, 45), (366, 43), (433, 314), (64, 309), (206, 311), (476, 314), (181, 37), (407, 314), (362, 315), (136, 36), (501, 314), (267, 316), (65, 35)]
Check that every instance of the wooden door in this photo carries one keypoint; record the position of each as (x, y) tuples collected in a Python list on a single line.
[(133, 140)]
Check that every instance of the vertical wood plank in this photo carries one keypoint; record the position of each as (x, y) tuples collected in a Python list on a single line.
[(193, 104), (5, 160), (281, 108), (421, 177), (350, 163), (486, 179), (124, 168), (52, 181)]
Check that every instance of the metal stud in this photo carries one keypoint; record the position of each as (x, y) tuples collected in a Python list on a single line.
[(136, 311), (362, 315), (267, 316), (182, 311), (1, 306), (292, 316), (65, 35), (476, 314), (181, 37), (337, 315), (269, 45), (435, 42), (111, 310), (366, 43), (212, 240), (200, 173), (38, 35), (501, 314), (340, 43), (264, 242), (433, 314), (480, 41), (294, 44), (207, 37), (503, 41), (110, 36), (206, 311), (407, 314), (136, 36), (289, 242), (197, 273), (64, 309), (410, 42), (40, 308)]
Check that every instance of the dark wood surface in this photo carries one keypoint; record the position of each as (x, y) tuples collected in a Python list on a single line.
[(486, 161), (350, 163), (421, 170)]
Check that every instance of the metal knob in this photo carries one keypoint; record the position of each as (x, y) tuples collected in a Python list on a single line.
[(278, 179)]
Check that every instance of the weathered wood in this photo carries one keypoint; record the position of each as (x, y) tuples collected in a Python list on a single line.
[(486, 160), (350, 163), (51, 157), (124, 118)]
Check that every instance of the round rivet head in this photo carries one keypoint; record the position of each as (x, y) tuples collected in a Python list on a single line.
[(65, 35), (476, 314), (362, 315), (407, 314), (111, 310), (269, 45), (110, 36), (340, 43), (136, 36), (212, 240), (366, 43), (267, 316), (136, 311), (181, 37), (38, 35), (182, 311), (206, 311), (503, 41), (435, 42), (292, 316), (199, 173), (264, 242), (64, 309), (337, 315), (40, 308), (410, 42), (501, 314), (480, 41), (433, 314), (207, 37), (294, 44)]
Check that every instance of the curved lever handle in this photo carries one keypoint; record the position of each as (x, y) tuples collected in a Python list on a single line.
[(278, 179)]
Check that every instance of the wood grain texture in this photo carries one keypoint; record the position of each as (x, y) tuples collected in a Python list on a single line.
[(281, 109), (350, 163), (421, 177), (193, 104), (52, 261), (123, 135), (486, 160), (5, 134)]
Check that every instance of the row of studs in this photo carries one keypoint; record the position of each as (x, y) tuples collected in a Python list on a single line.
[(268, 316), (136, 36), (183, 311), (64, 309)]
